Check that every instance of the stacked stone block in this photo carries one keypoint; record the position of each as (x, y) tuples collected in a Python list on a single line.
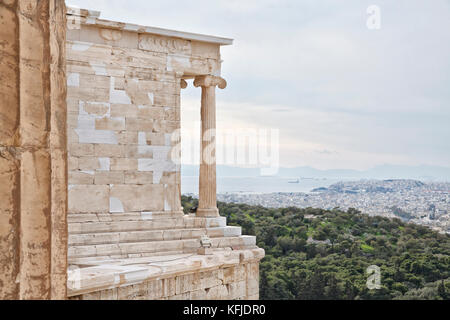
[(124, 113)]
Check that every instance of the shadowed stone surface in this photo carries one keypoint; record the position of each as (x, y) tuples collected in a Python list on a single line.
[(33, 154)]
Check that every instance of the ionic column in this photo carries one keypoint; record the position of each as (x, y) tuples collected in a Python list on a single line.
[(207, 206), (33, 151)]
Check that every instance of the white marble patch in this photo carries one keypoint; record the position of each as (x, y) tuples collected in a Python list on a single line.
[(96, 136), (216, 222), (115, 205), (147, 215), (145, 151), (142, 139), (86, 122), (99, 69), (157, 166), (151, 97), (86, 127), (230, 231), (167, 206), (161, 153), (73, 80), (137, 276), (117, 278), (81, 46), (90, 20), (145, 165), (249, 240), (118, 96), (105, 164), (168, 139)]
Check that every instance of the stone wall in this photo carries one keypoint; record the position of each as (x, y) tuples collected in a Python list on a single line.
[(123, 110)]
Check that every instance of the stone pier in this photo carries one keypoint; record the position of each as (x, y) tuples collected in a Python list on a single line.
[(33, 151)]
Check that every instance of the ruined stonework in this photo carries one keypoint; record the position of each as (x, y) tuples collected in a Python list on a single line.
[(33, 153), (128, 235), (90, 204), (201, 278)]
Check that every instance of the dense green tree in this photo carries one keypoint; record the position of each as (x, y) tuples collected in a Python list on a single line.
[(414, 260), (441, 290)]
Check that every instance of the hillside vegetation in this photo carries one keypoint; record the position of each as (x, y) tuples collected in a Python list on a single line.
[(320, 254)]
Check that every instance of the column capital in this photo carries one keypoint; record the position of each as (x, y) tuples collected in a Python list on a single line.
[(183, 84), (210, 81)]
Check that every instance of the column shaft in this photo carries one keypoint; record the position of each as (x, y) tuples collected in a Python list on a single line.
[(207, 183), (207, 198)]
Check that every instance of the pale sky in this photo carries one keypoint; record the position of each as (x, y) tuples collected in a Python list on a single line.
[(342, 96)]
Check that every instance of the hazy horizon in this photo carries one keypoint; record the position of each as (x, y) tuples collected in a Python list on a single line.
[(382, 172)]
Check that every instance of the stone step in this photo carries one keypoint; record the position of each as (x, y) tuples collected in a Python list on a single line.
[(139, 258), (83, 262), (144, 223), (151, 235), (171, 246)]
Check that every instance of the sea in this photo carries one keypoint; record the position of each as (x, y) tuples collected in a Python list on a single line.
[(189, 184)]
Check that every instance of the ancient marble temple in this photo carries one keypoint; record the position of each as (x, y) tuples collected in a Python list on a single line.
[(90, 202)]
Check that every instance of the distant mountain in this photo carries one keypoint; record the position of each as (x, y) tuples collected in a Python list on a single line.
[(386, 171), (406, 172), (222, 171)]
